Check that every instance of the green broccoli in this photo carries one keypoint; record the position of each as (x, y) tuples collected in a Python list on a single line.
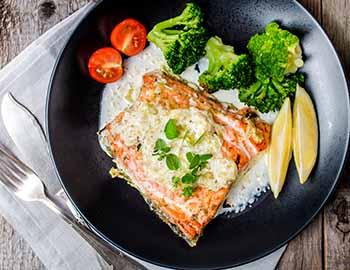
[(269, 95), (226, 70), (182, 39), (276, 53)]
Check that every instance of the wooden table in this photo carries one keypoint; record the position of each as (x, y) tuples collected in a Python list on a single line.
[(325, 244)]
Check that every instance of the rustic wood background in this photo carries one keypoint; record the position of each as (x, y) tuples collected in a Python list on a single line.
[(325, 244)]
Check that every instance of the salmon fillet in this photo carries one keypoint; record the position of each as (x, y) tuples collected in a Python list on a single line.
[(236, 135)]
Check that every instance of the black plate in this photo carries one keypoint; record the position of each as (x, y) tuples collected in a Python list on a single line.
[(118, 213)]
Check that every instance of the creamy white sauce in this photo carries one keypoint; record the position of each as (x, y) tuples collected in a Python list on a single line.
[(249, 186), (135, 128), (121, 94), (118, 96)]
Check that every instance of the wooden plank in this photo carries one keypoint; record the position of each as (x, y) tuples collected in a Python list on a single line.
[(337, 232), (21, 21), (306, 250), (335, 18), (314, 7), (336, 21)]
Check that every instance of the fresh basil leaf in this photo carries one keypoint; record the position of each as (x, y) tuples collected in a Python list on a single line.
[(206, 157), (189, 156), (173, 162), (188, 178), (170, 129), (195, 162), (176, 181), (187, 191)]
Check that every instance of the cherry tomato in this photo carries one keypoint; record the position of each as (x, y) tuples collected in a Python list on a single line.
[(129, 37), (105, 65)]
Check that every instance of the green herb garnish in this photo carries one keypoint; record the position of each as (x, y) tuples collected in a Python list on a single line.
[(170, 130), (196, 163), (189, 178), (173, 162), (161, 149), (187, 191), (205, 157), (161, 146), (176, 181), (189, 156)]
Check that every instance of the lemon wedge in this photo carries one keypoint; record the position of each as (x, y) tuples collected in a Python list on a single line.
[(305, 134), (280, 151)]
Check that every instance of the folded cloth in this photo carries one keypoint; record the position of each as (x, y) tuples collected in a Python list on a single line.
[(54, 242)]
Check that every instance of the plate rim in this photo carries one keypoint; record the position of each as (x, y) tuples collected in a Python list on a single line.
[(244, 262)]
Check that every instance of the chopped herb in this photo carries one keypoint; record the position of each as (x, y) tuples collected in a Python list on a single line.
[(116, 173), (187, 191), (113, 172), (184, 137), (173, 162), (200, 139), (176, 181), (170, 129)]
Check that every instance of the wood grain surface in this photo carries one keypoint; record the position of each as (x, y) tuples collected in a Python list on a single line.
[(325, 244)]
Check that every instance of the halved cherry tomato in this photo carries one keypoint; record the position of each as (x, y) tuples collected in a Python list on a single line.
[(129, 37), (105, 65)]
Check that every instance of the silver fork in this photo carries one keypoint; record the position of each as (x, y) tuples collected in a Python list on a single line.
[(26, 185)]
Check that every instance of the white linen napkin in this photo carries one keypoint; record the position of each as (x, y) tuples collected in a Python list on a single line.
[(54, 242)]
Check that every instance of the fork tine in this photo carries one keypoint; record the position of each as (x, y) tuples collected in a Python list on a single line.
[(9, 166), (5, 150), (10, 174), (10, 171), (7, 183), (15, 161)]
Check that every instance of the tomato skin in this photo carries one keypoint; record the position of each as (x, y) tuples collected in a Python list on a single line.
[(105, 65), (129, 37)]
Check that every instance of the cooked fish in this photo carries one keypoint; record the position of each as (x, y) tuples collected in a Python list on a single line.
[(229, 137)]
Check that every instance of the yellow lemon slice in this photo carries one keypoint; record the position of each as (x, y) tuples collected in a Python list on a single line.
[(280, 151), (305, 134)]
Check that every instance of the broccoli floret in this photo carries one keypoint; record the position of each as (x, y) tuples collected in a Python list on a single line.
[(181, 39), (276, 53), (269, 95), (226, 69)]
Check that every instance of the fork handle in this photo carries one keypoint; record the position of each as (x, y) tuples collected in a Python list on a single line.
[(86, 233)]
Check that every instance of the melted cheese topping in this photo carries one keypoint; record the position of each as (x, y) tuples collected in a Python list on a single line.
[(144, 124)]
